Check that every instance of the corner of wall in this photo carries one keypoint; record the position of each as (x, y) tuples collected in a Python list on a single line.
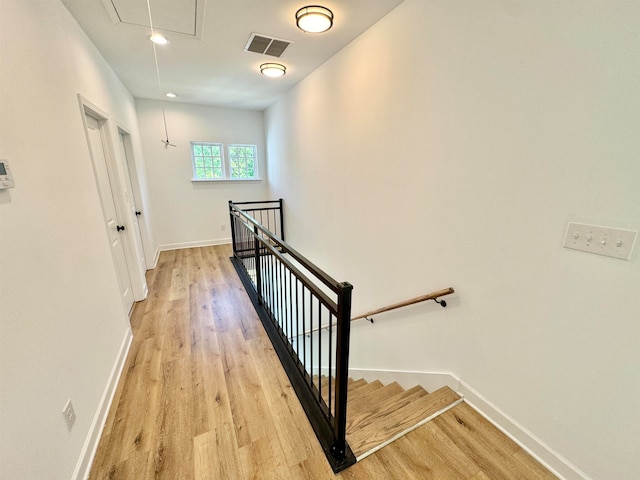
[(156, 257)]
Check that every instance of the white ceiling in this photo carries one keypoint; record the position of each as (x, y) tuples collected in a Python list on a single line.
[(206, 63)]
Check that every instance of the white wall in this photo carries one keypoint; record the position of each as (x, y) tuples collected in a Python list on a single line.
[(190, 213), (448, 146), (62, 324)]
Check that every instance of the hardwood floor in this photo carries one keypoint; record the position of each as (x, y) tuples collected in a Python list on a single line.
[(203, 396)]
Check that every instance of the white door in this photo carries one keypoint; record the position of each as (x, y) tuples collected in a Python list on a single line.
[(114, 227), (130, 196)]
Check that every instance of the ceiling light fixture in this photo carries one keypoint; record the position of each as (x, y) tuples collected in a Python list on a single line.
[(158, 39), (314, 19), (273, 69), (170, 95)]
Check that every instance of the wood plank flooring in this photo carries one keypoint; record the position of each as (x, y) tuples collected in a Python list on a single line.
[(203, 396)]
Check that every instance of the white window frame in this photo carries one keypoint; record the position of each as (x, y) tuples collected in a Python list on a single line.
[(256, 175), (193, 162), (226, 167)]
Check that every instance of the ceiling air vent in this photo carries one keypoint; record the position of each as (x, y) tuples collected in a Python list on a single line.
[(266, 45)]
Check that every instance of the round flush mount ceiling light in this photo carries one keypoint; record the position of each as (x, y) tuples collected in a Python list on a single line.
[(314, 19), (158, 39), (170, 95), (273, 69)]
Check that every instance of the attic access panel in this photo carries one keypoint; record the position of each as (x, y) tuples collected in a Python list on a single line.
[(177, 16)]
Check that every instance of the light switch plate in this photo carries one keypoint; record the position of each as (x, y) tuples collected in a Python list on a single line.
[(609, 241)]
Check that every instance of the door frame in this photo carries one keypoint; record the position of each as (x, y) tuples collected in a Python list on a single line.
[(126, 216)]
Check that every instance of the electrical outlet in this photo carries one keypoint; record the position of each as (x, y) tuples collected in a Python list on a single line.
[(609, 241), (223, 227), (69, 414)]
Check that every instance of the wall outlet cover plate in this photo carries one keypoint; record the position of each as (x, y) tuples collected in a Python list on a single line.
[(69, 414)]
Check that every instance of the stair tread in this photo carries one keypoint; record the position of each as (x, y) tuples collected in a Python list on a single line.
[(368, 401), (353, 386), (383, 428), (364, 390), (383, 408), (356, 385)]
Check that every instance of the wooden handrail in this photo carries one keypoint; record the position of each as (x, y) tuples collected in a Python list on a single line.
[(422, 298), (406, 303)]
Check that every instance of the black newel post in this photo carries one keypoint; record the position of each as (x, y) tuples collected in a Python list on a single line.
[(342, 369)]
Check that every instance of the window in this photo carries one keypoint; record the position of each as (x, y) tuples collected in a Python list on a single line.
[(207, 161), (242, 162), (210, 163)]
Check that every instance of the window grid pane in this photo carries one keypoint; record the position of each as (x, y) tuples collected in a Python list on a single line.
[(242, 161), (207, 161)]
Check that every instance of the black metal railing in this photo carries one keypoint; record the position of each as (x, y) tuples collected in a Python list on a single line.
[(292, 296)]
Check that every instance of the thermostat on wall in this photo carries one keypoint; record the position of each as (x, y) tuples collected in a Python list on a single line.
[(6, 178)]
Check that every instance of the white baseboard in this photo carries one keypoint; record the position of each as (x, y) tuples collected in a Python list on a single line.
[(198, 243), (431, 381), (83, 467)]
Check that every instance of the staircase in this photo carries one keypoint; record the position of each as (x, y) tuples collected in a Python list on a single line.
[(378, 414)]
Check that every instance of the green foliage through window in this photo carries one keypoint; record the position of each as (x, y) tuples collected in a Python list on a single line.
[(242, 161), (207, 161)]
